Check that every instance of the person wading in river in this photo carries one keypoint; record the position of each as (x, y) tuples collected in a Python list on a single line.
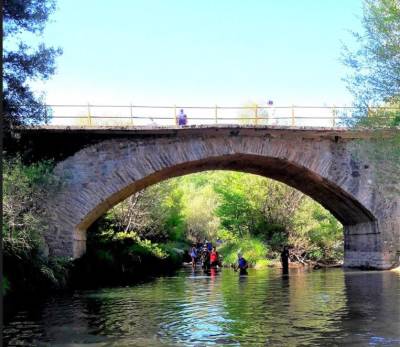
[(214, 258), (241, 265), (193, 255), (205, 258), (285, 260)]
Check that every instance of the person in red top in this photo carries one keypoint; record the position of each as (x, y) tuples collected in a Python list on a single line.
[(214, 258)]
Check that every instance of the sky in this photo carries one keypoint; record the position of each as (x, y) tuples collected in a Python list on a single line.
[(225, 52)]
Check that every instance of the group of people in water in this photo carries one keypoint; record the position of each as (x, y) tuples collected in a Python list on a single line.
[(210, 258)]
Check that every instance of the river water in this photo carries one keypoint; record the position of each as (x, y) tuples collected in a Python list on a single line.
[(264, 308)]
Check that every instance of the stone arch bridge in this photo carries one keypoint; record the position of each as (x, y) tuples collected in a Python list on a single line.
[(102, 166)]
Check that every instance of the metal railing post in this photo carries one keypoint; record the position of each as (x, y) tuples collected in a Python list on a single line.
[(176, 119), (216, 114), (131, 108), (334, 116), (46, 119), (256, 114), (293, 119), (89, 115)]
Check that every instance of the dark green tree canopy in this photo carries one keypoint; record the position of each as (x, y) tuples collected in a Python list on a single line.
[(23, 63)]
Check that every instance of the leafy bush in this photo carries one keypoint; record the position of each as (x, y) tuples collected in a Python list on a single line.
[(316, 233), (262, 263), (26, 266), (252, 249), (5, 285), (105, 256)]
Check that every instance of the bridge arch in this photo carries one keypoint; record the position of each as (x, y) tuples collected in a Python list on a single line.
[(103, 174)]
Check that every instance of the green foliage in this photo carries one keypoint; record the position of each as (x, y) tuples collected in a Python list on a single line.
[(316, 232), (387, 116), (23, 63), (154, 213), (24, 187), (174, 251), (25, 264), (199, 201), (253, 205), (236, 213), (5, 285), (119, 258), (233, 207), (174, 222), (252, 249), (374, 65), (152, 248), (374, 80), (105, 256), (242, 199), (262, 263)]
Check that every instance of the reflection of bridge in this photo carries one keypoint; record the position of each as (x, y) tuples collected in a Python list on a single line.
[(103, 166)]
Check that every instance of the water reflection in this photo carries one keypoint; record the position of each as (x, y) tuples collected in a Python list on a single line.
[(222, 308), (373, 308)]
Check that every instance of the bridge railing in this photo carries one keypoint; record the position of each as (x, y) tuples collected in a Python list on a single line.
[(144, 115)]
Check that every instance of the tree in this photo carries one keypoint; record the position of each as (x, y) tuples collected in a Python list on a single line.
[(375, 64), (198, 211), (23, 63), (375, 80), (154, 213)]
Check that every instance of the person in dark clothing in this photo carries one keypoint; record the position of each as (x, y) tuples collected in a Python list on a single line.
[(242, 265), (285, 259), (205, 258)]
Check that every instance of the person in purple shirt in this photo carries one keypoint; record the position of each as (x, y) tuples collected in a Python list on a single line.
[(182, 118)]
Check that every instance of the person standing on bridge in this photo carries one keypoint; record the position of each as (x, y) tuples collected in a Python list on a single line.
[(182, 118)]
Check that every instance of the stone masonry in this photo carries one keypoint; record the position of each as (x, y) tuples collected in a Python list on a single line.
[(320, 163)]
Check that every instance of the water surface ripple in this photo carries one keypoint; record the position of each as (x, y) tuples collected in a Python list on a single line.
[(265, 308)]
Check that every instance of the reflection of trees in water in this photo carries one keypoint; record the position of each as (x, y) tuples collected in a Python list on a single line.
[(316, 308), (117, 312), (270, 308)]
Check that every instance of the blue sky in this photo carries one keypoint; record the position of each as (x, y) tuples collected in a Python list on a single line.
[(225, 52)]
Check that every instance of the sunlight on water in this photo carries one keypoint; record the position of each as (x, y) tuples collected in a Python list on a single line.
[(321, 308)]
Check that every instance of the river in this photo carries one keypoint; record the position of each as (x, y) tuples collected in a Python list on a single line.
[(317, 308)]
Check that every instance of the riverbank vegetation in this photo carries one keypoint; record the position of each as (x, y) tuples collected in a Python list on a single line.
[(26, 264), (246, 213), (119, 251), (141, 237)]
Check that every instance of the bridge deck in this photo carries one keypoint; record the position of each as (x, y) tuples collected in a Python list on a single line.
[(234, 129), (59, 142)]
